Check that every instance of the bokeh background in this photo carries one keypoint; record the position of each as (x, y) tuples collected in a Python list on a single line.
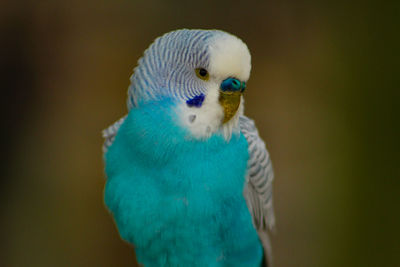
[(324, 93)]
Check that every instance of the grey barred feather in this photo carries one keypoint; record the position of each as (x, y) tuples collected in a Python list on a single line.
[(163, 68), (258, 189), (110, 133)]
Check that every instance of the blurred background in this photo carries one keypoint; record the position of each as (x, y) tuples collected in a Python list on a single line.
[(324, 93)]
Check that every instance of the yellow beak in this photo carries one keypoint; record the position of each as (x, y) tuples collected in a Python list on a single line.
[(230, 101)]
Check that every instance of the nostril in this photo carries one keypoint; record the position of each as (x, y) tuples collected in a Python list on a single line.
[(231, 84)]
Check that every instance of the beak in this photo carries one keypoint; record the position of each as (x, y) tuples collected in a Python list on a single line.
[(230, 93)]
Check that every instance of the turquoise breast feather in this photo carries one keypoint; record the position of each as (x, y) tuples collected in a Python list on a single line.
[(177, 199)]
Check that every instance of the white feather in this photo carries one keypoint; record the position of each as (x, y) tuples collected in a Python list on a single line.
[(229, 57)]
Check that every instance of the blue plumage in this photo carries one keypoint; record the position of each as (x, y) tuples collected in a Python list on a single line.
[(189, 179), (179, 200)]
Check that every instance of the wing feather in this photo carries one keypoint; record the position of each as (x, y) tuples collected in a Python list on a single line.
[(110, 133), (258, 189)]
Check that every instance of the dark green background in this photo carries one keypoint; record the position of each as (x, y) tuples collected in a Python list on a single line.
[(324, 93)]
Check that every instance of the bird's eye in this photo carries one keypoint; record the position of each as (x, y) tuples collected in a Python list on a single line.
[(202, 74)]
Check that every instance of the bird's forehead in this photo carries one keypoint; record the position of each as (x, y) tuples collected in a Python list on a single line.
[(229, 57)]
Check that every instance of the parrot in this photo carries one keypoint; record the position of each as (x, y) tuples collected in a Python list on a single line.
[(188, 178)]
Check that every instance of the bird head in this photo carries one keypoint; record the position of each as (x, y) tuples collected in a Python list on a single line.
[(203, 71)]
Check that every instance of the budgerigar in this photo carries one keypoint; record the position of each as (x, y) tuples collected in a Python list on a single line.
[(189, 181)]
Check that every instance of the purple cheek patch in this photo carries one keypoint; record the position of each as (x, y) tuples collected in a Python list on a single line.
[(196, 101)]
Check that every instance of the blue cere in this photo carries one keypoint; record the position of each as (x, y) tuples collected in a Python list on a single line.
[(232, 84)]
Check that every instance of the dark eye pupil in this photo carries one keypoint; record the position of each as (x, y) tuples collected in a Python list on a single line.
[(202, 72)]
